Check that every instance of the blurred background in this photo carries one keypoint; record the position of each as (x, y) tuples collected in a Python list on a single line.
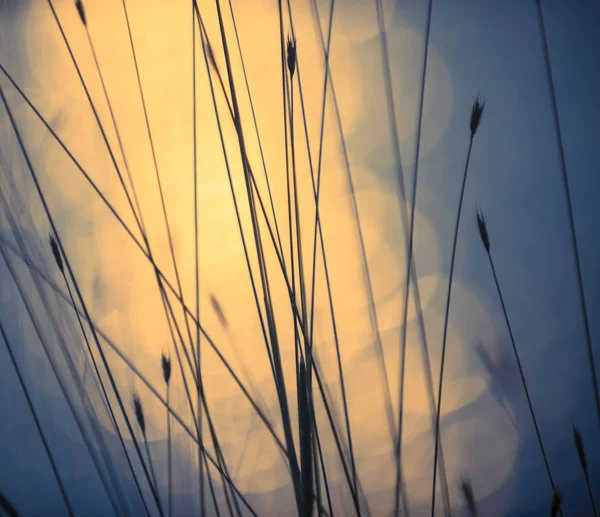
[(490, 49)]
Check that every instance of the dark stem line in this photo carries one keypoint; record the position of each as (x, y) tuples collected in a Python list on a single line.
[(335, 433), (169, 460), (221, 467), (565, 179), (370, 298), (197, 267), (298, 227), (158, 180), (522, 375), (389, 94), (150, 463), (234, 197), (321, 461), (211, 488), (445, 332), (319, 234), (116, 128), (411, 274), (220, 460), (245, 447), (254, 119), (589, 489)]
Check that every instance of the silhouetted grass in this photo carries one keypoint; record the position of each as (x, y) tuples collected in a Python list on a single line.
[(302, 451), (565, 179), (485, 239), (475, 120)]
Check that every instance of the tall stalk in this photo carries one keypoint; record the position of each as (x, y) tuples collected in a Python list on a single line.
[(412, 276), (157, 174), (196, 265), (481, 224), (567, 190), (476, 114)]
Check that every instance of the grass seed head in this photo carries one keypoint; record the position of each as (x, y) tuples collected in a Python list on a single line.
[(56, 253), (219, 311), (483, 233), (291, 55), (139, 413), (166, 367), (476, 114), (210, 53), (556, 503), (579, 447), (467, 491), (81, 11)]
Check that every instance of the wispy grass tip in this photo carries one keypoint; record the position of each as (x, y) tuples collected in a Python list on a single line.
[(56, 253), (476, 114), (139, 413), (166, 367), (81, 11)]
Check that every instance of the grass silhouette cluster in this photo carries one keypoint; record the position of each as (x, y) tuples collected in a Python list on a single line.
[(298, 437)]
